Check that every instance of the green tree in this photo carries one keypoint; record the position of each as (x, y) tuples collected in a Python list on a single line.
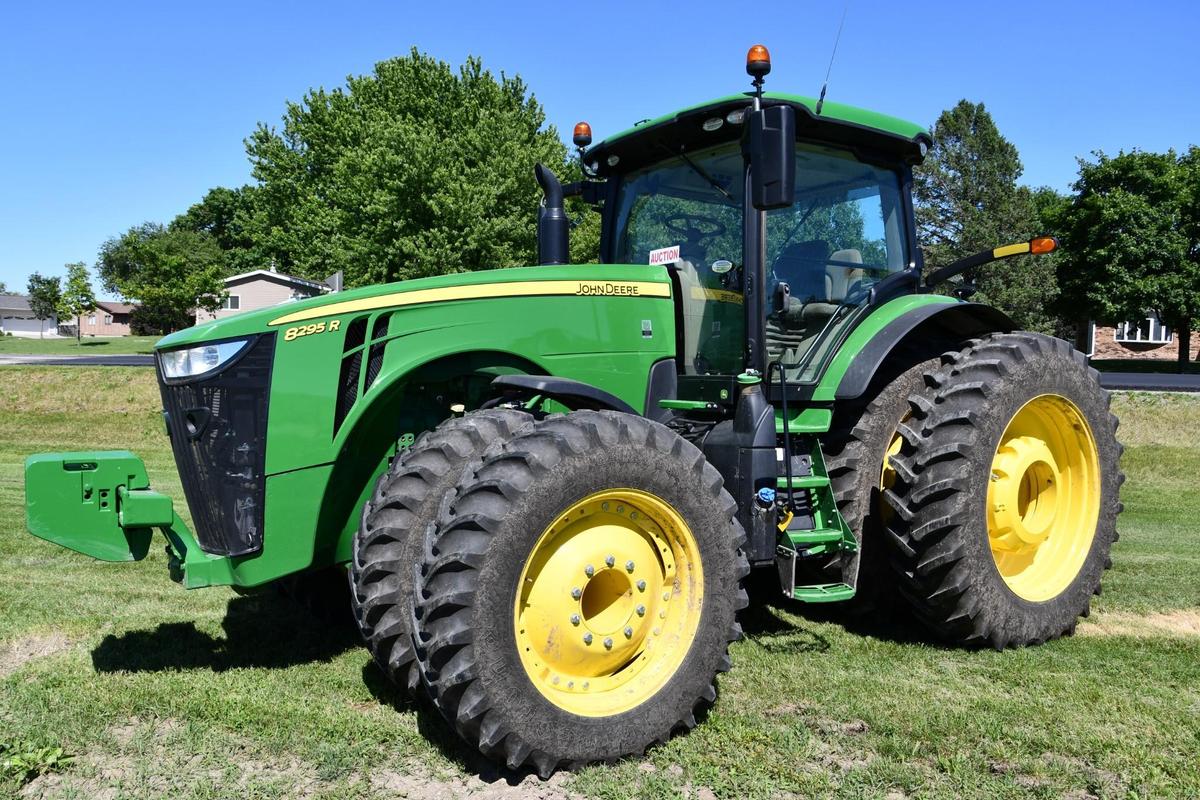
[(416, 169), (169, 273), (1132, 235), (3, 287), (224, 214), (77, 296), (967, 200), (45, 297)]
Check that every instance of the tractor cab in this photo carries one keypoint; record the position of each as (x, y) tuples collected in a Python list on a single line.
[(760, 286)]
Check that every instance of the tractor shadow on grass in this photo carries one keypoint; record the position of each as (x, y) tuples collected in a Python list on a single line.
[(766, 621), (266, 631)]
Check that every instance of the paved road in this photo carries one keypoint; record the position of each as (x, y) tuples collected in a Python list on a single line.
[(78, 361), (1150, 381)]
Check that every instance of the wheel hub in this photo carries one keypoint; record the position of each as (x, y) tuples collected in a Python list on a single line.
[(608, 601), (1022, 495)]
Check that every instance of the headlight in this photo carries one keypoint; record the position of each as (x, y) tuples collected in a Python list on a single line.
[(191, 362)]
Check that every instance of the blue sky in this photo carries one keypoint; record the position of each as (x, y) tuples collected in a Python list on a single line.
[(121, 113)]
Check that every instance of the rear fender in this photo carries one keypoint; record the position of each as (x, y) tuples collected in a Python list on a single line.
[(869, 346)]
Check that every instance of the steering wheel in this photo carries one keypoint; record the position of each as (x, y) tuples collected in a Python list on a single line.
[(694, 227)]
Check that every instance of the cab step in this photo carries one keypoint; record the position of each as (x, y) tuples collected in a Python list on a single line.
[(804, 482), (823, 593), (803, 538)]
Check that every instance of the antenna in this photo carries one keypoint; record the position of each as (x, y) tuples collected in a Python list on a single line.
[(832, 56)]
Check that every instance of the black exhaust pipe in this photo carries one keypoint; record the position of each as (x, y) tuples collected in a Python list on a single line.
[(553, 228)]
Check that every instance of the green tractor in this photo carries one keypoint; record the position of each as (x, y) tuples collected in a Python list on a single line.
[(550, 485)]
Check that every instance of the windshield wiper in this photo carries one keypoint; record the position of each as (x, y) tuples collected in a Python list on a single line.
[(696, 168)]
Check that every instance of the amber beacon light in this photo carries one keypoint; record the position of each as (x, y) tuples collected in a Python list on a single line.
[(758, 61), (582, 135)]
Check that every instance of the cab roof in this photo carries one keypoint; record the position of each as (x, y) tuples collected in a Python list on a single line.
[(837, 124)]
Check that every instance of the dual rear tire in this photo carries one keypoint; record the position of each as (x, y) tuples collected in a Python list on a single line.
[(988, 480)]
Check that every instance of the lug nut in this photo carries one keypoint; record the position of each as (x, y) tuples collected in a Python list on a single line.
[(607, 643), (641, 586), (629, 566), (587, 638), (628, 632), (609, 560), (641, 611), (575, 619), (554, 680), (666, 595), (577, 593), (589, 570)]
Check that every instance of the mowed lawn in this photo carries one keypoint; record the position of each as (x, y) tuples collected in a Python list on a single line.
[(159, 692), (87, 346)]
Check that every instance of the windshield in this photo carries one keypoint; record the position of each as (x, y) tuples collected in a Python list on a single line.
[(845, 232), (693, 203)]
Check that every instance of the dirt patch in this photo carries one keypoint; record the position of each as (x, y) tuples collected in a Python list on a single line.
[(17, 654), (103, 775), (1099, 782), (418, 784), (1181, 623)]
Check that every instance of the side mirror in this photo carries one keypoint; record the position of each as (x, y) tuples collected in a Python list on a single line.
[(771, 148)]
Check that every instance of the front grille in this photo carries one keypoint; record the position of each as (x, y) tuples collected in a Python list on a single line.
[(218, 430)]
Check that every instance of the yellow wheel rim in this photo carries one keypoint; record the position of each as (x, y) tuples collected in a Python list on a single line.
[(609, 602), (887, 473), (1043, 498)]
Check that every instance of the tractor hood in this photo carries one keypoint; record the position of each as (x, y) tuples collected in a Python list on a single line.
[(421, 291)]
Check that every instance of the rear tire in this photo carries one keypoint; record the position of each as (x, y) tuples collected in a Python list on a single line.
[(1006, 492), (855, 449), (563, 492), (387, 547)]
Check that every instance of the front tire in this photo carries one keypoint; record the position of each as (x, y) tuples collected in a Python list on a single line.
[(581, 594), (1006, 492)]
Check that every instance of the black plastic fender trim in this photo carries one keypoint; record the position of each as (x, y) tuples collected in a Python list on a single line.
[(575, 395)]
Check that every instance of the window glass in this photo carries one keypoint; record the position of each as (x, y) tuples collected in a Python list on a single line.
[(844, 233), (695, 204)]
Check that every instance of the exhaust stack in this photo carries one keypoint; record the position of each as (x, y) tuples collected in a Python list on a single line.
[(553, 228)]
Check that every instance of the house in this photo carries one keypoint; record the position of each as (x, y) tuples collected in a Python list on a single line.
[(1141, 339), (16, 317), (108, 318), (260, 289)]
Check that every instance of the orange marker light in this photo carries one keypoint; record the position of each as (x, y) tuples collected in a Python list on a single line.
[(1043, 244), (758, 61), (583, 134)]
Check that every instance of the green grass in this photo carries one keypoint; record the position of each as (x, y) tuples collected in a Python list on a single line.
[(88, 346), (153, 691), (1143, 365)]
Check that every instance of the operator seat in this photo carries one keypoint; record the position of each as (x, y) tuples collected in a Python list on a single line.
[(817, 288)]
